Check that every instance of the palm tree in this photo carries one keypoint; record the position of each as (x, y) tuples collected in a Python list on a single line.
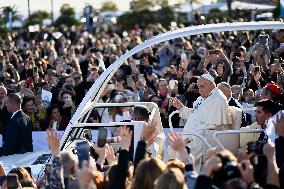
[(4, 16), (229, 4)]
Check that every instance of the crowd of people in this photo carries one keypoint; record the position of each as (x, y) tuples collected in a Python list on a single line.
[(213, 70)]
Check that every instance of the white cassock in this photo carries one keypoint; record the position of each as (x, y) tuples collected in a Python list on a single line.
[(209, 113)]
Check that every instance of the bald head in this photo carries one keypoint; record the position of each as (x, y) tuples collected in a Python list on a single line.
[(205, 87), (226, 89)]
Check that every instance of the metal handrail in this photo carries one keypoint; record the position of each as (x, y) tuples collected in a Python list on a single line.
[(248, 109), (170, 119), (106, 124), (126, 104), (200, 137), (215, 135)]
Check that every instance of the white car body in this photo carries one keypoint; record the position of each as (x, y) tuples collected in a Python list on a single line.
[(90, 100)]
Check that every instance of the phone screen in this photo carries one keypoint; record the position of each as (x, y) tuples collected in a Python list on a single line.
[(257, 69), (129, 79), (12, 181), (35, 70), (83, 152), (2, 179), (102, 138), (49, 72)]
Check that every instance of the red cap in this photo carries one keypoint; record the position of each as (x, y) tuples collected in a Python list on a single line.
[(29, 80), (274, 88)]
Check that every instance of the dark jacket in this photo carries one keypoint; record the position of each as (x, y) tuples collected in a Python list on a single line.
[(279, 146), (121, 171), (140, 152), (17, 137)]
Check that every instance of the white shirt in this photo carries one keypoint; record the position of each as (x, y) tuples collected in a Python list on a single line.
[(207, 113), (15, 113)]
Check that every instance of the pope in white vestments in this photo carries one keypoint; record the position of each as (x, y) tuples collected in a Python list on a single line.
[(210, 112)]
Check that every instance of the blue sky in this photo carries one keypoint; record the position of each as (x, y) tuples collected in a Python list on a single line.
[(77, 4), (46, 5)]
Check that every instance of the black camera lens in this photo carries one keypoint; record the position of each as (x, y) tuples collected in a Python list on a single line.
[(256, 147)]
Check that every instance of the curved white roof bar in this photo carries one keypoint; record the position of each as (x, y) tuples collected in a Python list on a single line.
[(91, 98)]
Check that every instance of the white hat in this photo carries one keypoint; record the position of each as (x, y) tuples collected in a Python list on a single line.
[(208, 77)]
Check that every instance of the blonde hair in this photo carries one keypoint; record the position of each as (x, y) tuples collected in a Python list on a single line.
[(147, 172), (172, 179), (175, 163)]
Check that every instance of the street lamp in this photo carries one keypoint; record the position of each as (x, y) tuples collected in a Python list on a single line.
[(29, 9), (51, 13)]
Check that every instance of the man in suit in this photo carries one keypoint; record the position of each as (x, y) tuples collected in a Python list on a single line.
[(17, 137)]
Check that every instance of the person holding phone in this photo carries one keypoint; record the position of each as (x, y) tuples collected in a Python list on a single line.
[(54, 119), (68, 104), (256, 82)]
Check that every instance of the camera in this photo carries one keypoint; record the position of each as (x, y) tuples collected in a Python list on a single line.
[(263, 39), (228, 171), (255, 147)]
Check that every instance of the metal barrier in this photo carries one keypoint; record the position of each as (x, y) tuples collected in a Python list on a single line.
[(170, 119), (200, 137), (215, 135), (248, 109)]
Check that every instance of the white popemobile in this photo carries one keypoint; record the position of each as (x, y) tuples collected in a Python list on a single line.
[(78, 130)]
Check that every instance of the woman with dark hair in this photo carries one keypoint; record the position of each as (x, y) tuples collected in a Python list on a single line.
[(23, 176), (67, 97), (28, 105), (54, 120)]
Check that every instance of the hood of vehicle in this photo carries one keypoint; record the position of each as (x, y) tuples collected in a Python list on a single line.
[(35, 160)]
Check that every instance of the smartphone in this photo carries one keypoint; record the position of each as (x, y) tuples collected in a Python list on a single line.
[(83, 152), (67, 98), (111, 86), (102, 137), (149, 70), (129, 79), (39, 90), (142, 61), (257, 69), (49, 72), (2, 180), (172, 84), (35, 70), (12, 181)]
